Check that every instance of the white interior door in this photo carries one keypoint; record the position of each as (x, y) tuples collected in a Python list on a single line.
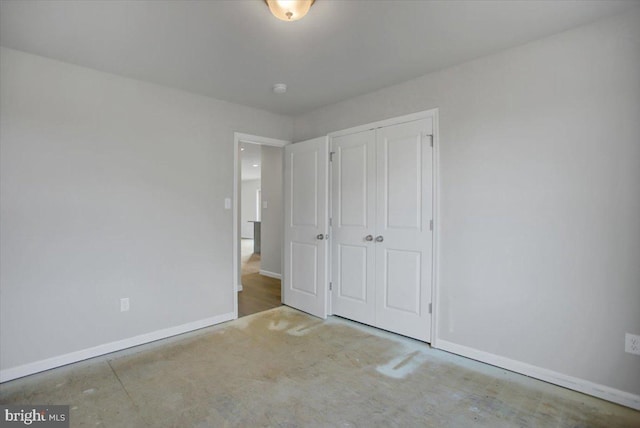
[(306, 228), (353, 209), (404, 238), (381, 233)]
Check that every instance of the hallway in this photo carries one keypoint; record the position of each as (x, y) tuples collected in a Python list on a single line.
[(259, 293)]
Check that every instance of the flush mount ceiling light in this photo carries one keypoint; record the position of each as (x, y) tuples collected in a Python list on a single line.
[(289, 10), (279, 88)]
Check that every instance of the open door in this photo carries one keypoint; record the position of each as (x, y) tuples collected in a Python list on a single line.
[(306, 226)]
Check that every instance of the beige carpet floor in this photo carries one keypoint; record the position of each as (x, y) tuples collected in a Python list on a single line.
[(283, 368)]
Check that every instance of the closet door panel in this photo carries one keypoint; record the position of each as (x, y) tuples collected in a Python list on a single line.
[(353, 219), (404, 239)]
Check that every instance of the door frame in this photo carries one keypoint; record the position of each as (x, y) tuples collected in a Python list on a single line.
[(239, 138), (433, 114)]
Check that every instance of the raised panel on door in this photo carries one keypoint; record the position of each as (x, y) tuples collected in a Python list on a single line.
[(403, 216), (304, 188), (353, 219), (401, 280), (304, 268), (305, 249)]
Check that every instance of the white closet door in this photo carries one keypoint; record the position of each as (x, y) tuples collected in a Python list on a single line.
[(403, 236), (353, 202), (306, 226)]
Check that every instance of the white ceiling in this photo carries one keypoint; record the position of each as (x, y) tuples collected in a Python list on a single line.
[(236, 51), (250, 155)]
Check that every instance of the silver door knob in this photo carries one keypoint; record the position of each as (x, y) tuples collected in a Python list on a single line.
[(320, 236), (368, 238), (379, 238)]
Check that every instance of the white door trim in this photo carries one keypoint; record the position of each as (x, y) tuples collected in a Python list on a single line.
[(432, 113), (239, 137), (435, 271)]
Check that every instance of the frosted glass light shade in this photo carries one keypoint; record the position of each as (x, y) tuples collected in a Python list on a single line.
[(289, 10)]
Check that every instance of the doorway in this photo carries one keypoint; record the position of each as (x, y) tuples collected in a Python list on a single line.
[(258, 221)]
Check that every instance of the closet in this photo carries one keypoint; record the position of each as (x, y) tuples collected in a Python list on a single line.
[(381, 221), (358, 225)]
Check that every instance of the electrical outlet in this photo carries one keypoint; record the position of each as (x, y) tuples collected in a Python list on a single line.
[(124, 304), (632, 343)]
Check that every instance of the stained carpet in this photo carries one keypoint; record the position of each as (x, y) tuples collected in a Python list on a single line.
[(283, 368)]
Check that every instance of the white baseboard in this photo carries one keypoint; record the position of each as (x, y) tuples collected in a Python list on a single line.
[(84, 354), (270, 274), (566, 381)]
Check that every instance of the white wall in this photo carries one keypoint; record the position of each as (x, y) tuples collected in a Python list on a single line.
[(248, 207), (540, 197), (111, 188), (272, 215)]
